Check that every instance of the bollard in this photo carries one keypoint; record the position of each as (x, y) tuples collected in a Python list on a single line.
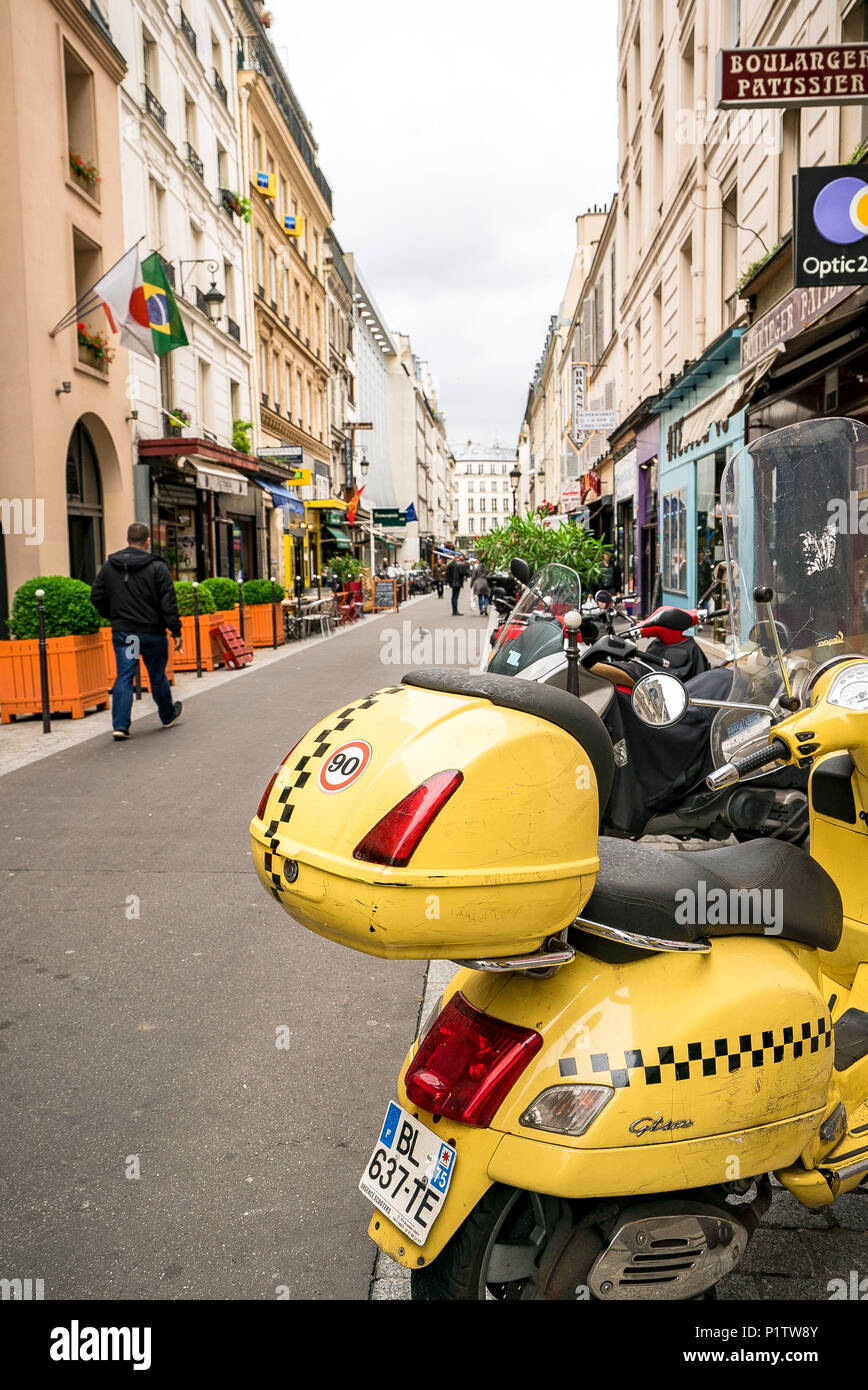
[(241, 609), (196, 625), (273, 617), (43, 664), (572, 623)]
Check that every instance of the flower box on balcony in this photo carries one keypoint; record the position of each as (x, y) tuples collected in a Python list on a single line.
[(77, 678)]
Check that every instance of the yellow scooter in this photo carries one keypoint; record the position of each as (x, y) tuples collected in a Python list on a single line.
[(637, 1038)]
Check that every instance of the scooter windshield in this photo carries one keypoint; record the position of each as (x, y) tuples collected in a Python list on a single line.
[(535, 628), (795, 522)]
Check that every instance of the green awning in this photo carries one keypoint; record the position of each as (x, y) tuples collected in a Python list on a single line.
[(340, 537)]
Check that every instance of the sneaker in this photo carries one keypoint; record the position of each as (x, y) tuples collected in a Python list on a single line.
[(177, 710), (118, 734)]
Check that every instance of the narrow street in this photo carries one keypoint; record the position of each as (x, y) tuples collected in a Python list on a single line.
[(155, 1035)]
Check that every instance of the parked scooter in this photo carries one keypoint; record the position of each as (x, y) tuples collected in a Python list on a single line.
[(658, 786), (637, 1038)]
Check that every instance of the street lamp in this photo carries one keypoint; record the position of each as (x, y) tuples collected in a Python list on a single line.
[(364, 465), (213, 300), (514, 480)]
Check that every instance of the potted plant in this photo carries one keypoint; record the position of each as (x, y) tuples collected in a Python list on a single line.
[(77, 677), (185, 660), (224, 592), (178, 421), (94, 349), (257, 612), (237, 203), (529, 537), (84, 171), (241, 435)]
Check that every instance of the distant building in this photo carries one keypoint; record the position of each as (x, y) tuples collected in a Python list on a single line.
[(483, 489)]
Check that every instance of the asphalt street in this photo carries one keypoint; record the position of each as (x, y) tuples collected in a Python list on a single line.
[(145, 975)]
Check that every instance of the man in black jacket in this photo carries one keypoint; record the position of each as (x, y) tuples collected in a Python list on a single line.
[(456, 573), (135, 591)]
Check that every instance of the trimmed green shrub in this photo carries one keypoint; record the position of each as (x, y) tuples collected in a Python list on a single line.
[(68, 609), (184, 591), (223, 591), (259, 591)]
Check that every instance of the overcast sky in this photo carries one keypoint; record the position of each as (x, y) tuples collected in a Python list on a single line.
[(461, 139)]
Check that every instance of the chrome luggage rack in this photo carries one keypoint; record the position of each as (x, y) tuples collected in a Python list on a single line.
[(556, 951)]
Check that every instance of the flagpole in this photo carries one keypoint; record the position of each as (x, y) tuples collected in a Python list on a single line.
[(83, 305)]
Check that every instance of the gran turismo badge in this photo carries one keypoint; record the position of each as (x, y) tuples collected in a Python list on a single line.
[(647, 1125)]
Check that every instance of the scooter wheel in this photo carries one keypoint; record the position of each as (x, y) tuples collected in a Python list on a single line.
[(507, 1248)]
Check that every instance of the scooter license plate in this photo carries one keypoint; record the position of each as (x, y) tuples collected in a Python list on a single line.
[(408, 1174)]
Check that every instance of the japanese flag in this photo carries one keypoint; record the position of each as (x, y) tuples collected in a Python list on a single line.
[(123, 298)]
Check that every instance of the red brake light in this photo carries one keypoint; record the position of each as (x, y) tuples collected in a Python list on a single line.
[(468, 1064), (271, 781), (394, 839)]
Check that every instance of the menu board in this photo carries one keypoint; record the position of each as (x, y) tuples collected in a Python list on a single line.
[(385, 594)]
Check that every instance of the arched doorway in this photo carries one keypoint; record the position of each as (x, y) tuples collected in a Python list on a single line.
[(83, 506)]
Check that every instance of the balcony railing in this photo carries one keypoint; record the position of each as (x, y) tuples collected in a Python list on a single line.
[(220, 88), (188, 31), (195, 162), (233, 329), (255, 54), (153, 108)]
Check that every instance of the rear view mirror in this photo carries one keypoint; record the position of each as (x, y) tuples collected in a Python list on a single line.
[(520, 569), (659, 701)]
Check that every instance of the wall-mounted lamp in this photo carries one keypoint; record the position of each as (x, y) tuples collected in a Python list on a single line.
[(64, 388)]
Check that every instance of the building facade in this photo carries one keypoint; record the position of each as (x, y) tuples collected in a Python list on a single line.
[(483, 490), (67, 493)]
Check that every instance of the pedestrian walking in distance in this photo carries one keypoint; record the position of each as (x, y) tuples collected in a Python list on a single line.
[(134, 590), (482, 590), (455, 577)]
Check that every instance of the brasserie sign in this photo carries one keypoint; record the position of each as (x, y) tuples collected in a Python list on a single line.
[(830, 75)]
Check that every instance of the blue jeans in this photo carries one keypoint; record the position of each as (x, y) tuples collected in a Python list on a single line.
[(154, 652)]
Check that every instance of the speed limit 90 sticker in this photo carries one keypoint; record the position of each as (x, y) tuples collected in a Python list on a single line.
[(345, 766)]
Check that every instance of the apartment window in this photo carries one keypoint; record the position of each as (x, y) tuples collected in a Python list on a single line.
[(288, 387), (229, 282), (297, 306), (298, 397), (150, 63), (272, 278), (216, 55), (80, 118), (316, 251), (791, 122), (685, 298), (205, 404), (470, 504), (286, 298), (156, 209), (87, 260), (235, 399), (275, 379), (687, 89), (260, 262), (263, 369), (257, 150), (222, 167), (729, 254), (316, 341), (733, 21), (657, 165), (470, 485), (167, 382), (309, 408), (190, 127), (307, 316), (853, 133), (657, 336)]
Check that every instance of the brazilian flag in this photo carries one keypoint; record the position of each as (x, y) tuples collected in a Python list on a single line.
[(167, 329)]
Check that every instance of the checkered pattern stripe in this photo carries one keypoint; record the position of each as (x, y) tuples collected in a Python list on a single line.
[(309, 764), (656, 1065)]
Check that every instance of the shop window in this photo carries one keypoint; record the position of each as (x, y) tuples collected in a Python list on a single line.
[(625, 545), (674, 566), (709, 526), (80, 115), (83, 506)]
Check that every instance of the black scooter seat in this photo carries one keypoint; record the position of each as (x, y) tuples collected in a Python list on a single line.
[(672, 895)]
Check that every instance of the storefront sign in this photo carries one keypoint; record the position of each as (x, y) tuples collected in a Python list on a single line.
[(625, 477), (579, 436), (597, 419), (830, 241), (788, 317), (290, 454), (389, 516), (831, 75)]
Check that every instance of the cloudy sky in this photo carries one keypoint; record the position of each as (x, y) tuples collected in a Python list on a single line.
[(461, 139)]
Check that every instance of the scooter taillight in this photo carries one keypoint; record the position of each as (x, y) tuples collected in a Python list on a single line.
[(468, 1063), (394, 839), (271, 781)]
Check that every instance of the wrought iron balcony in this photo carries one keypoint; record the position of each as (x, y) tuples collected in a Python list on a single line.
[(195, 162), (188, 31), (153, 108), (220, 88), (233, 329), (256, 54)]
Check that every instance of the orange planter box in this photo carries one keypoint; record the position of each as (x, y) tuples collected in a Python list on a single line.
[(77, 677), (257, 624), (111, 668), (186, 660)]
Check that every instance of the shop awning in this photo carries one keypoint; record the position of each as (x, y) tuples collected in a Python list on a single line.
[(727, 401), (213, 479), (282, 498), (339, 536), (332, 503), (600, 502)]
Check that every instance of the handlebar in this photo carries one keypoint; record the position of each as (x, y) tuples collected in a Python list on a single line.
[(730, 773)]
